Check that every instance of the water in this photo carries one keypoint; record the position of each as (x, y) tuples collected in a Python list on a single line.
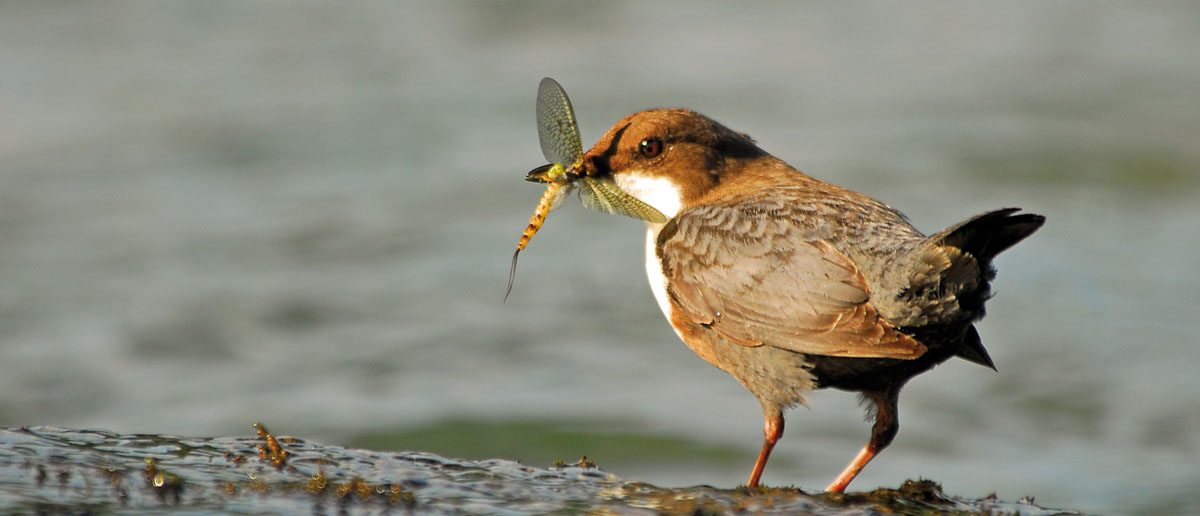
[(215, 212)]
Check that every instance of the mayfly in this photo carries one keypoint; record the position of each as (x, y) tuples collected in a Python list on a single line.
[(559, 136)]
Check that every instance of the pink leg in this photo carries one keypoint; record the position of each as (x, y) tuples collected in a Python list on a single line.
[(772, 431), (886, 425)]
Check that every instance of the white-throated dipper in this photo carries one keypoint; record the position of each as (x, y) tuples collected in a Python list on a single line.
[(790, 283)]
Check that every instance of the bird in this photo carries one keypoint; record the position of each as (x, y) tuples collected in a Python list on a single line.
[(790, 283)]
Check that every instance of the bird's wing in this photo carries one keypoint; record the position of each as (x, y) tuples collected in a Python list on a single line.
[(761, 277)]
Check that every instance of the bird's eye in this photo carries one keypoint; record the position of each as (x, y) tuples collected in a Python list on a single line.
[(650, 147)]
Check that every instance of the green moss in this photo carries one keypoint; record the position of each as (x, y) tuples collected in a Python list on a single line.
[(913, 497), (540, 443)]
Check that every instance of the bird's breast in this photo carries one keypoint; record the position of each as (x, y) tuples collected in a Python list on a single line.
[(654, 271), (698, 339)]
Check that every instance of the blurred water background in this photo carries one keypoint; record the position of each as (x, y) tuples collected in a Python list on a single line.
[(219, 212)]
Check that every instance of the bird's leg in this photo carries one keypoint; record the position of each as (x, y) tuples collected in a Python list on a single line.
[(772, 431), (886, 425)]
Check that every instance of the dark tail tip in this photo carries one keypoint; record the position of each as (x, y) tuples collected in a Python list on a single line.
[(972, 350), (989, 234)]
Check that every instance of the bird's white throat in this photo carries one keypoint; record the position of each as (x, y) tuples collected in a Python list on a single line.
[(657, 191), (665, 196)]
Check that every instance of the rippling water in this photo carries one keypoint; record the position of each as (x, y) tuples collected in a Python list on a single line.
[(217, 212)]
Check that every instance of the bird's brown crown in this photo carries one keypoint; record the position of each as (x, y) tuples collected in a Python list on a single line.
[(687, 148)]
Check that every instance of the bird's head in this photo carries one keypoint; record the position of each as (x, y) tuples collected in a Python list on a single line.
[(667, 158)]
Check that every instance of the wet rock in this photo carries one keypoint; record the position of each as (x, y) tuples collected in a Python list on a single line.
[(60, 471)]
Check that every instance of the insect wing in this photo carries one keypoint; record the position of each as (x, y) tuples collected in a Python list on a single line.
[(557, 131), (603, 195)]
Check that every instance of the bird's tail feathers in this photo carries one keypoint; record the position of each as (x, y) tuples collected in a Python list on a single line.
[(987, 235)]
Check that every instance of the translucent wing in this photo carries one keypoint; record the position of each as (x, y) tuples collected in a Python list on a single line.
[(603, 195), (559, 136), (557, 130)]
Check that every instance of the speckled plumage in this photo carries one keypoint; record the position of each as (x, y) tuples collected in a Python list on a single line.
[(790, 283)]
